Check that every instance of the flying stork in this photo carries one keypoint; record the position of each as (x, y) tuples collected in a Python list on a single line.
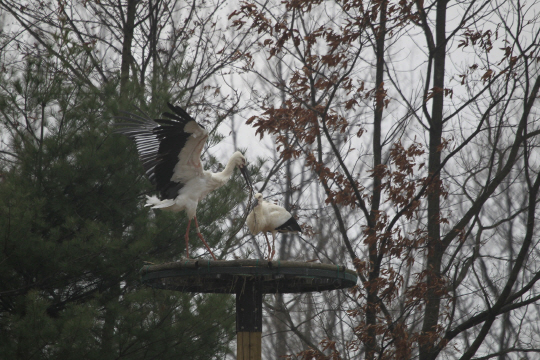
[(170, 152), (268, 217)]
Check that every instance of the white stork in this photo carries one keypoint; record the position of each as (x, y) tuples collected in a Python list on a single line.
[(268, 217), (170, 151)]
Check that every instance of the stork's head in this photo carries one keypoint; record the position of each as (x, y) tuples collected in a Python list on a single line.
[(258, 200), (240, 161)]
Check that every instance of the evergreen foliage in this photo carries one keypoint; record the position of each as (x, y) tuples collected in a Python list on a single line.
[(74, 234)]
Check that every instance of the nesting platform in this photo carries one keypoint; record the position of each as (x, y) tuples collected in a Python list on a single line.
[(249, 280), (227, 276)]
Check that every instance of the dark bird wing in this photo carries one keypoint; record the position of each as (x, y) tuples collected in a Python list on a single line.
[(289, 226), (282, 220), (169, 149)]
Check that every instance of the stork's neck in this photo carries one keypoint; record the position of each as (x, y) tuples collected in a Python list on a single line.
[(226, 174), (258, 210), (258, 216)]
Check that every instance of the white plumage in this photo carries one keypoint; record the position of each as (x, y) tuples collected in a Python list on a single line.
[(268, 217), (170, 151)]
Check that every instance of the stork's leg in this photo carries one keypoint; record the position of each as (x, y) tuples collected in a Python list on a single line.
[(269, 247), (273, 246), (201, 237), (187, 239)]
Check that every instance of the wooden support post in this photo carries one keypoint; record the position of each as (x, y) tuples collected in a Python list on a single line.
[(249, 319)]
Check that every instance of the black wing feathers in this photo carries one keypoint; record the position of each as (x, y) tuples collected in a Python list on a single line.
[(158, 143), (180, 115), (289, 226)]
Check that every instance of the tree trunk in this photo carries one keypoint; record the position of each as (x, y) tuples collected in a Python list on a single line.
[(127, 58), (435, 247), (371, 309)]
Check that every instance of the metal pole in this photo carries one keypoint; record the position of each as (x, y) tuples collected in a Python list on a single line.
[(249, 319)]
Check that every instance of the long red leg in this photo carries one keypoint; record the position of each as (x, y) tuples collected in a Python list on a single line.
[(201, 237), (273, 246), (187, 239), (269, 247)]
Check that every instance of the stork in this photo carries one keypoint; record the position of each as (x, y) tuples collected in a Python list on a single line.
[(170, 151), (268, 217)]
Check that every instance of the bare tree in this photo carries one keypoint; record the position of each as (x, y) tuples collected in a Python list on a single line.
[(158, 44), (439, 217)]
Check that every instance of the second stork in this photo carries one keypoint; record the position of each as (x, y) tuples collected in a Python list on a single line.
[(268, 217)]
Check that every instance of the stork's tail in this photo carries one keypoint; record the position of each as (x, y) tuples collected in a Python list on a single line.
[(155, 203)]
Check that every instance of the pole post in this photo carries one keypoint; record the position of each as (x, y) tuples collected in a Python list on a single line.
[(249, 319)]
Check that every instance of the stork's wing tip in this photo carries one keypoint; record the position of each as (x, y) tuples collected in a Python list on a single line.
[(290, 226)]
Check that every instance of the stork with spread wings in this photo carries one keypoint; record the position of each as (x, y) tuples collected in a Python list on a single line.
[(170, 151)]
